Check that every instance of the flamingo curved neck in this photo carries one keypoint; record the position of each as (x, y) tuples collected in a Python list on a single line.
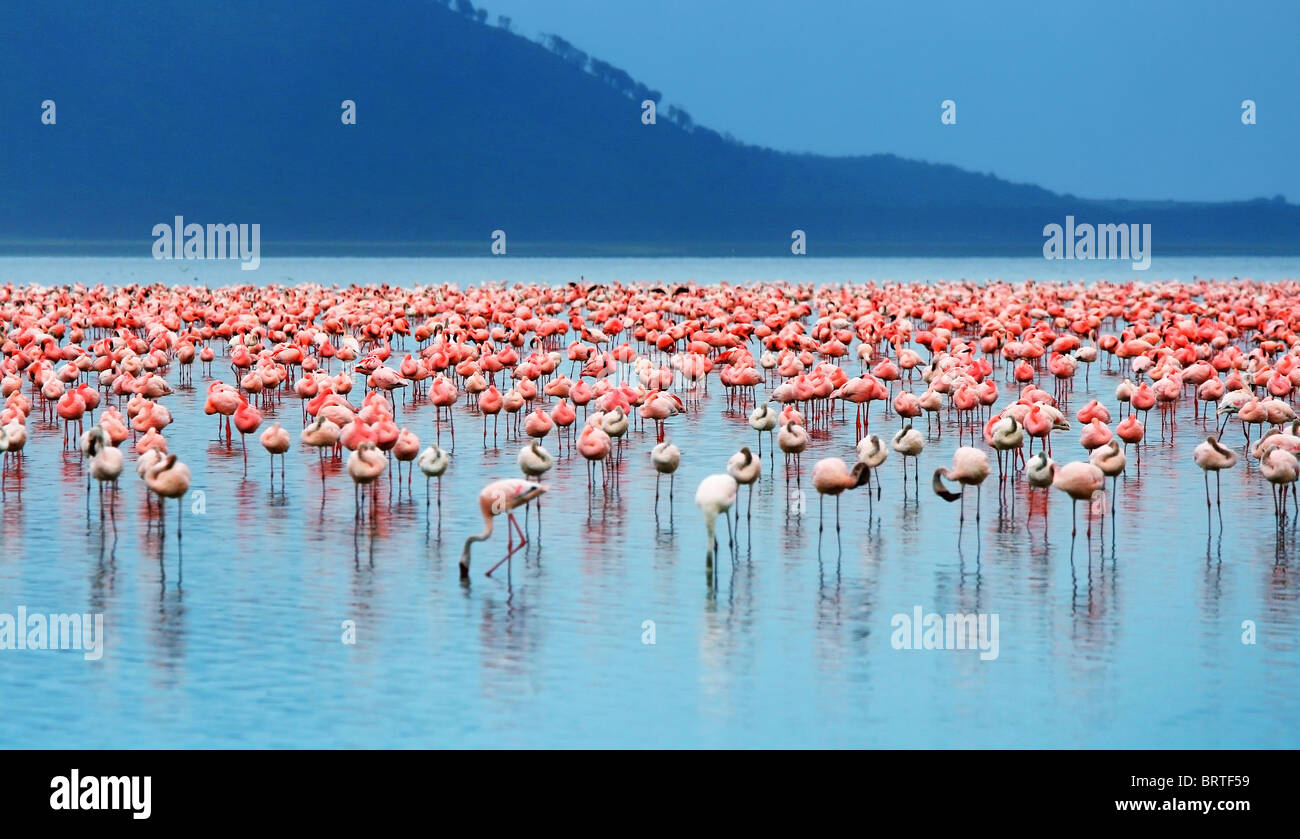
[(478, 537), (940, 490)]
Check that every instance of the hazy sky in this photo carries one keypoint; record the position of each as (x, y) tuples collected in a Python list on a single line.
[(1101, 99)]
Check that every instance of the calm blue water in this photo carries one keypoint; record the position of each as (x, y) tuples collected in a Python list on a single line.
[(231, 636), (557, 271)]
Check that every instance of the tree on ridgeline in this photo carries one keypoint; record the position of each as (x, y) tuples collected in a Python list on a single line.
[(681, 118), (565, 50)]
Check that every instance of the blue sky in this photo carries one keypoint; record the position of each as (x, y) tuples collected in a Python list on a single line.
[(1100, 99)]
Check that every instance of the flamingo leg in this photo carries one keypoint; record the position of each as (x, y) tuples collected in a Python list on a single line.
[(511, 552), (512, 549)]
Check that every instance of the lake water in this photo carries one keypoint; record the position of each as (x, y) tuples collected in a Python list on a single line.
[(231, 636), (555, 271)]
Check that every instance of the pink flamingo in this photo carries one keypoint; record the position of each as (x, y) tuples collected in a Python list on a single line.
[(594, 445), (1082, 481), (564, 417), (365, 465), (71, 407), (276, 442), (247, 420), (490, 401), (169, 479), (405, 449), (832, 476), (496, 498), (1095, 434), (537, 424), (443, 395)]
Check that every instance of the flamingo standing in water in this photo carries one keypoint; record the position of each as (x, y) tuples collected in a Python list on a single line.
[(1110, 459), (149, 458), (1143, 399), (1039, 471), (322, 434), (1131, 432), (1213, 456), (276, 442), (746, 468), (970, 466), (13, 438), (909, 442), (490, 402), (563, 416), (223, 400), (1281, 469), (831, 476), (1082, 481), (594, 445), (433, 462), (496, 498), (535, 461), (793, 439), (872, 454), (615, 424), (1007, 436), (105, 458), (169, 478), (443, 395), (715, 496), (537, 424), (1095, 435), (247, 419), (405, 449), (764, 418), (666, 457), (71, 407), (365, 465)]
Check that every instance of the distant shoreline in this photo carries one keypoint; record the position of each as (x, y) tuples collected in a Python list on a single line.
[(568, 250)]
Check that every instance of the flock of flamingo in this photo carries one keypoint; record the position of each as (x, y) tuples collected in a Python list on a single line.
[(584, 369)]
